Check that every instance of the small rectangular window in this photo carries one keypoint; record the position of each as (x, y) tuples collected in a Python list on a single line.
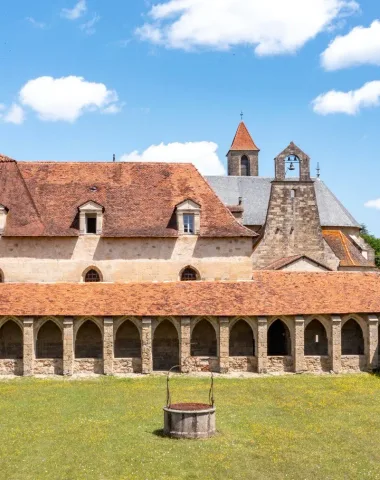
[(188, 223), (91, 224)]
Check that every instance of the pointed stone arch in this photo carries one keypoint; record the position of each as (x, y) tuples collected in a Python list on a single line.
[(316, 339), (352, 333), (88, 339), (2, 280), (165, 345), (242, 339), (92, 274), (204, 339), (189, 273), (127, 340), (11, 339), (49, 339), (279, 338)]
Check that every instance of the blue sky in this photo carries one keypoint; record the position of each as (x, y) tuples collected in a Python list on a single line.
[(180, 74)]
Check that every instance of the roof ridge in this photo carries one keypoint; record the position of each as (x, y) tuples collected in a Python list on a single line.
[(243, 139)]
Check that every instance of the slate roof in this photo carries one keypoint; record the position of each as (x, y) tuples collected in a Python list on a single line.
[(243, 140), (139, 199), (255, 192), (269, 293)]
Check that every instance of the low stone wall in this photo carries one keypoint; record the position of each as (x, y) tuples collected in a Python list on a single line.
[(243, 364), (280, 364), (127, 365), (11, 366), (48, 366), (88, 365), (354, 363), (202, 364), (317, 364)]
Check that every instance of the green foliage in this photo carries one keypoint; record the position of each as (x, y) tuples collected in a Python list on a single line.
[(290, 427), (373, 242)]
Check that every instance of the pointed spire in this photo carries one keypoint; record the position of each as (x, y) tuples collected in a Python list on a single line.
[(243, 139)]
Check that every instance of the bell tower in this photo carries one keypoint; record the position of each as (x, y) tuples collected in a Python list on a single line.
[(243, 156)]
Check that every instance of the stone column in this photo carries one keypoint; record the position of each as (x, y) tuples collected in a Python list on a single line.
[(146, 345), (28, 346), (224, 344), (373, 342), (299, 348), (68, 346), (262, 344), (335, 343), (108, 345), (185, 344)]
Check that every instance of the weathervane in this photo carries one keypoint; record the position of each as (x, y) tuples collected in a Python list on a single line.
[(318, 171)]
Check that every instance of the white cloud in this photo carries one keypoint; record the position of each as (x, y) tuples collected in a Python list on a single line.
[(373, 204), (65, 98), (113, 108), (35, 23), (360, 46), (348, 102), (202, 154), (76, 12), (89, 27), (270, 26), (14, 115)]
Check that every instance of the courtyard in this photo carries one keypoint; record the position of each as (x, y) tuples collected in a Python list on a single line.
[(293, 426)]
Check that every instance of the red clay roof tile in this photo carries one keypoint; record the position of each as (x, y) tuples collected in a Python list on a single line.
[(139, 199), (270, 293), (243, 139), (347, 253)]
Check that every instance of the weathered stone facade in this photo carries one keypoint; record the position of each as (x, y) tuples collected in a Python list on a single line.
[(185, 330)]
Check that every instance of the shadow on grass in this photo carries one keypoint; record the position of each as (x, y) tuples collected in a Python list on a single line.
[(159, 433)]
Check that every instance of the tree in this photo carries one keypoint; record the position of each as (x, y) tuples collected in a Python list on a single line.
[(373, 242)]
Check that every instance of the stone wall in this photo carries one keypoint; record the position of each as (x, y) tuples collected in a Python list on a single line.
[(133, 260), (234, 158), (293, 225), (176, 335)]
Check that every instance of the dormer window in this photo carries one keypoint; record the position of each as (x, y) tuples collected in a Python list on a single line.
[(188, 223), (3, 218), (90, 218), (188, 218)]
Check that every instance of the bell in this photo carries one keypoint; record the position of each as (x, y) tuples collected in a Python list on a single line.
[(291, 166)]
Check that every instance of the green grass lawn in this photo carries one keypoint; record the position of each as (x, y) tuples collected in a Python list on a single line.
[(296, 427)]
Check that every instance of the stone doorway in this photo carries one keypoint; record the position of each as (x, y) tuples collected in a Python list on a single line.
[(279, 343), (165, 346)]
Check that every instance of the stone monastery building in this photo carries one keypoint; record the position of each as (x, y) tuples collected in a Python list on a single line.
[(132, 267)]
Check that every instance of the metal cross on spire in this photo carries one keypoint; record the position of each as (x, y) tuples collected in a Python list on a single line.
[(241, 115)]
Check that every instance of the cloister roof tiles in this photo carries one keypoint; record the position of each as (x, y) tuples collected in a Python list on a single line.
[(286, 261), (268, 294), (139, 199)]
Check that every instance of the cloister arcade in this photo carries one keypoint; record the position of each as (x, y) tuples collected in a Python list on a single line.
[(120, 345)]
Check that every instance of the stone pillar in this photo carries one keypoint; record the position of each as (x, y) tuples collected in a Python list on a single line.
[(224, 344), (335, 344), (373, 342), (299, 348), (108, 345), (146, 345), (262, 344), (28, 346), (185, 350), (68, 346)]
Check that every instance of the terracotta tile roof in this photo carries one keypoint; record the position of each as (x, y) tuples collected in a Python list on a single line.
[(285, 261), (347, 253), (139, 199), (4, 158), (243, 139), (270, 293)]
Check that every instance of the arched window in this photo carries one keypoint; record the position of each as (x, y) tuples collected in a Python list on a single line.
[(1, 277), (11, 345), (242, 343), (127, 341), (352, 338), (316, 339), (89, 342), (279, 343), (203, 340), (49, 341), (92, 276), (244, 166), (189, 275)]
